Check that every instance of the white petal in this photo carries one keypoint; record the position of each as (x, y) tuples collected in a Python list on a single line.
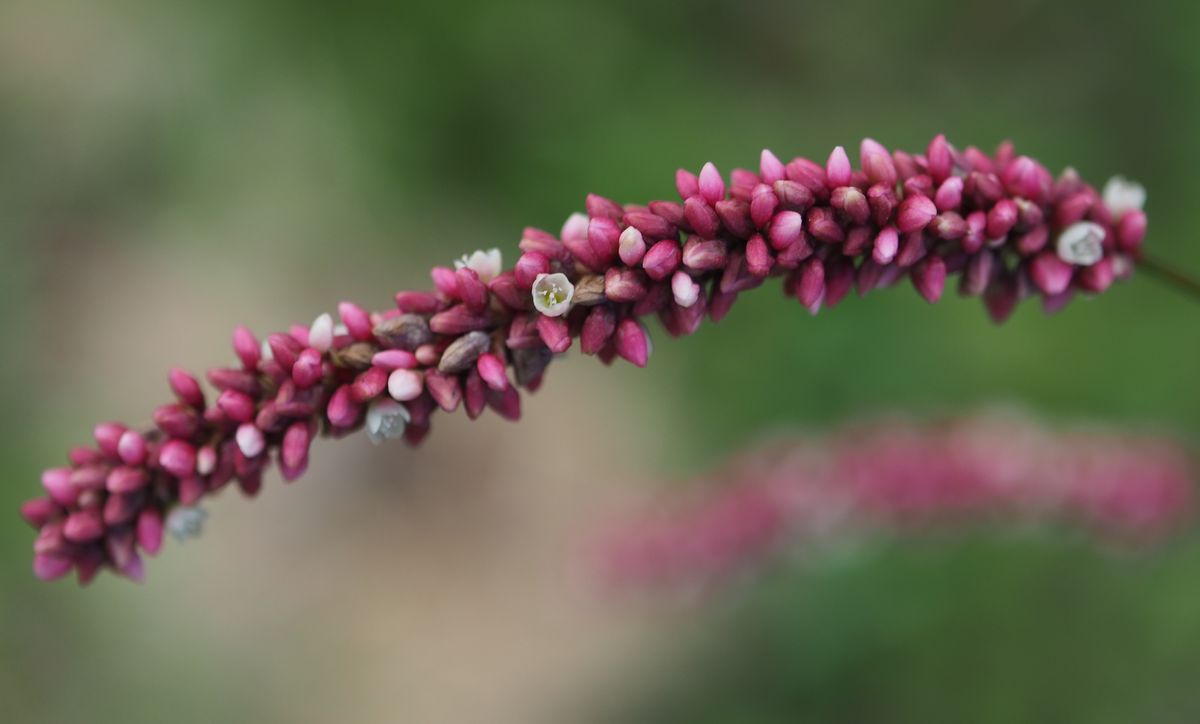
[(386, 420), (552, 294), (1121, 195), (1081, 243), (686, 290), (185, 522), (320, 335)]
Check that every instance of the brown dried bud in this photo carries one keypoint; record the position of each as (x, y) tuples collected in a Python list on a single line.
[(356, 356), (407, 331), (463, 352), (530, 363), (589, 291)]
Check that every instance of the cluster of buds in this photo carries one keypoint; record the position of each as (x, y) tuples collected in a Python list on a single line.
[(484, 331), (902, 477)]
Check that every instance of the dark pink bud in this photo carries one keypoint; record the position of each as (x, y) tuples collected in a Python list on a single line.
[(1026, 178), (150, 530), (670, 211), (471, 290), (686, 183), (308, 369), (786, 228), (791, 257), (929, 277), (651, 225), (554, 333), (949, 194), (920, 185), (839, 277), (529, 266), (735, 216), (458, 320), (979, 273), (632, 342), (882, 200), (372, 382), (1033, 241), (795, 196), (701, 217), (598, 206), (808, 174), (83, 526), (533, 239), (1001, 219), (186, 388), (474, 395), (50, 567), (823, 225), (915, 213), (108, 436), (906, 165), (417, 303), (704, 254), (837, 168), (977, 160), (445, 281), (763, 203), (444, 389), (625, 285), (294, 449), (939, 159), (178, 458), (506, 288), (1073, 208), (506, 403), (1131, 229), (858, 240), (90, 477), (711, 186), (176, 420), (39, 511), (1097, 277), (342, 411), (877, 163), (231, 379), (598, 329), (912, 250), (192, 488), (948, 226), (868, 276), (83, 455), (237, 406), (603, 234), (662, 259), (810, 289), (284, 349), (132, 448), (357, 321), (126, 479), (1051, 274), (758, 257), (1001, 298), (1029, 214), (246, 347), (852, 203), (492, 371), (57, 482)]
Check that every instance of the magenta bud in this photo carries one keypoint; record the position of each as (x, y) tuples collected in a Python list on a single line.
[(794, 196), (839, 278), (810, 289), (50, 567), (791, 257), (785, 229), (598, 206), (83, 526), (770, 168), (1001, 298), (868, 276), (763, 203), (178, 458), (474, 395), (978, 274), (624, 285), (711, 186), (915, 213), (929, 277), (1051, 274), (231, 379), (39, 511), (126, 479), (912, 250), (1033, 241), (529, 266), (1001, 219), (758, 257), (150, 530), (858, 240), (246, 347), (504, 287), (949, 194), (948, 226), (603, 234), (492, 371), (852, 203), (837, 168), (132, 448), (554, 333), (284, 349), (471, 290), (108, 436), (296, 440), (939, 159), (808, 174), (877, 163), (57, 482), (669, 211), (686, 183), (237, 406), (506, 403), (373, 381), (598, 329), (445, 281), (308, 369), (1097, 277), (342, 411), (417, 303), (662, 259), (701, 217), (651, 225), (1026, 178), (632, 342), (458, 320), (83, 455), (444, 389), (357, 321), (1131, 229), (176, 420), (735, 216), (186, 388), (704, 254), (631, 246), (823, 225)]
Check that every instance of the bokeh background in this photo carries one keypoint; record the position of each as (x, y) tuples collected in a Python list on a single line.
[(171, 169)]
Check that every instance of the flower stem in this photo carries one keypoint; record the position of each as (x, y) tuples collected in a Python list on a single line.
[(1181, 281)]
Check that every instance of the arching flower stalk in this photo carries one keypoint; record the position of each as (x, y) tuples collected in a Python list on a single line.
[(999, 222), (901, 477)]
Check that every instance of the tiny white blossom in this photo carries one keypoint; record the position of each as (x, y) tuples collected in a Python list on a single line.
[(487, 264), (1081, 243), (185, 522), (320, 335), (386, 420), (552, 294), (1121, 195)]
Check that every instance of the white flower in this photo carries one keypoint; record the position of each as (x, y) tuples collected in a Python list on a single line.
[(185, 522), (486, 264), (1081, 243), (1121, 195), (320, 335), (686, 290), (386, 420), (552, 294)]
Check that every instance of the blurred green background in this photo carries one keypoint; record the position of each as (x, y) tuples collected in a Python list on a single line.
[(172, 169)]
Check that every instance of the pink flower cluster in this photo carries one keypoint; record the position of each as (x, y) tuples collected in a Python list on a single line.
[(999, 220), (901, 476)]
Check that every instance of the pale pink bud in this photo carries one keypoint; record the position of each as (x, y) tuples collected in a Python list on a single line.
[(711, 185), (308, 369), (704, 254), (50, 567), (632, 342), (949, 194), (294, 449), (771, 169), (206, 460), (877, 163), (445, 281), (686, 183), (357, 321), (57, 482), (575, 228), (108, 436), (126, 479), (786, 228), (405, 385), (915, 213), (177, 458), (837, 168), (685, 290), (320, 334), (631, 246)]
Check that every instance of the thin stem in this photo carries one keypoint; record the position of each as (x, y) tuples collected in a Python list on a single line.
[(1182, 282)]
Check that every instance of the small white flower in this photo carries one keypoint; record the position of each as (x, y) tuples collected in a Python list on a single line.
[(320, 335), (575, 227), (552, 294), (1121, 195), (686, 290), (1081, 243), (487, 264), (386, 420), (185, 522), (405, 385)]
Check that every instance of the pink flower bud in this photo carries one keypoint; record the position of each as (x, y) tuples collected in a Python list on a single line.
[(771, 169), (929, 277), (939, 160), (662, 259), (108, 436), (417, 303), (320, 334), (685, 290), (296, 440), (445, 281), (357, 321), (126, 479), (186, 388), (373, 381), (529, 266), (342, 411), (823, 225), (811, 286), (471, 290), (458, 320), (247, 348), (83, 526), (949, 194), (704, 254), (979, 273), (877, 163), (57, 482), (405, 385), (132, 448), (915, 213), (51, 567), (632, 342), (603, 234), (651, 225), (758, 257), (837, 168), (631, 246), (948, 226), (237, 406), (554, 333), (686, 183), (176, 420), (701, 217), (308, 369), (852, 203), (150, 530), (786, 228), (444, 389), (598, 329), (177, 458), (711, 185), (1051, 274), (284, 349), (39, 511), (882, 200), (492, 371), (1131, 229)]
